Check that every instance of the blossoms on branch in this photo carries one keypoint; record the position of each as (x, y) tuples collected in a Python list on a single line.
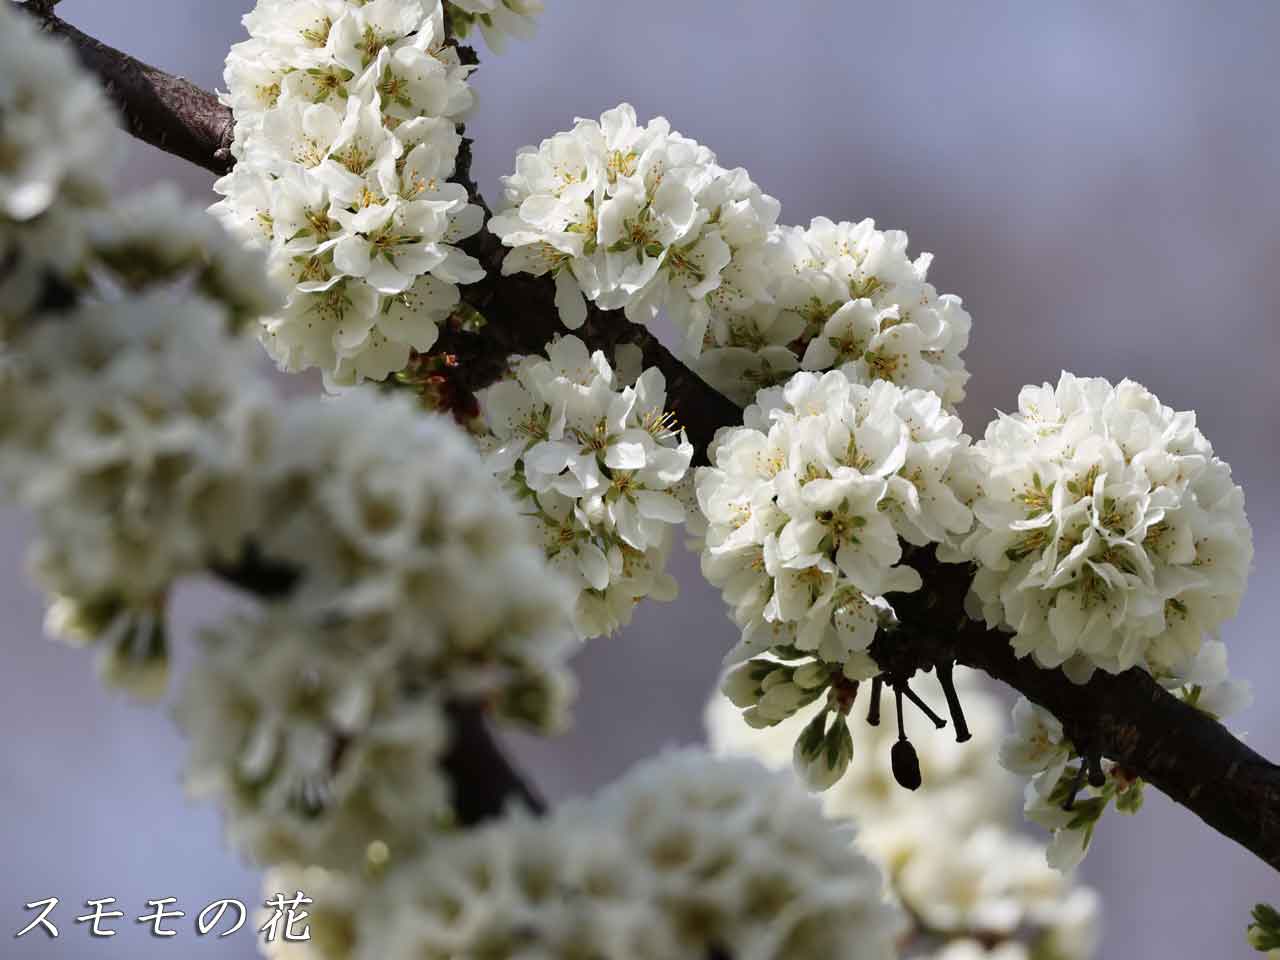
[(638, 218), (1108, 535), (946, 848), (806, 504), (644, 219), (346, 137), (595, 464), (401, 531), (841, 296)]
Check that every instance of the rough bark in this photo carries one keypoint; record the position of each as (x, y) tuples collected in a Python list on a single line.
[(165, 111), (1127, 717)]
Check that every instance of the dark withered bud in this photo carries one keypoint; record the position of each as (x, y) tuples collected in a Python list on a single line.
[(906, 765)]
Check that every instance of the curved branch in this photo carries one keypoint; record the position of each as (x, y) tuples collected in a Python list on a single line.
[(1127, 717), (158, 108)]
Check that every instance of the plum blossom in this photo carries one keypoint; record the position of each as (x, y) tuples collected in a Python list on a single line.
[(1108, 535), (346, 138), (637, 218), (596, 466), (806, 504)]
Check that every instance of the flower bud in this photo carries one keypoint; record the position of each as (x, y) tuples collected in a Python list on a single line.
[(906, 765), (813, 675), (822, 756), (742, 684), (784, 699)]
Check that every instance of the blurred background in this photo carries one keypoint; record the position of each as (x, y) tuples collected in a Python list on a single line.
[(1096, 180)]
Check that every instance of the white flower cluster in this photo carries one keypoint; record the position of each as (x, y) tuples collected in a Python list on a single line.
[(157, 238), (57, 154), (495, 18), (128, 429), (593, 464), (636, 217), (642, 218), (806, 503), (687, 856), (346, 136), (402, 532), (1108, 535), (842, 296), (316, 741), (416, 585), (947, 849)]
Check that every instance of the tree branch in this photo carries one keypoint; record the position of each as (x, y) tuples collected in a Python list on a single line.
[(1128, 718), (165, 111)]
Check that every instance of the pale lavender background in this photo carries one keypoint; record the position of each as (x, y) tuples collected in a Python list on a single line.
[(1097, 181)]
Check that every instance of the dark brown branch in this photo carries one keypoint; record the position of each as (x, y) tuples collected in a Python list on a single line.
[(484, 782), (165, 111), (1127, 718)]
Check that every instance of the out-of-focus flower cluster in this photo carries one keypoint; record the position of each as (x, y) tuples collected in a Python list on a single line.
[(418, 585), (57, 157), (393, 576), (495, 18), (644, 219), (346, 137), (1108, 535), (686, 856), (806, 507), (968, 882), (596, 464), (129, 431)]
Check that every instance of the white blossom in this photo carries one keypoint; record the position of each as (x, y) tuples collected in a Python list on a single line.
[(686, 855), (317, 744), (58, 150), (129, 430), (595, 465), (398, 527), (841, 296), (789, 883), (638, 218), (947, 849), (346, 137), (57, 132), (643, 219), (1108, 534), (1036, 747), (807, 501)]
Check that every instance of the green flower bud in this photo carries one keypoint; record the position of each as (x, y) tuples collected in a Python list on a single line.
[(822, 756), (742, 684), (784, 699), (813, 676)]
